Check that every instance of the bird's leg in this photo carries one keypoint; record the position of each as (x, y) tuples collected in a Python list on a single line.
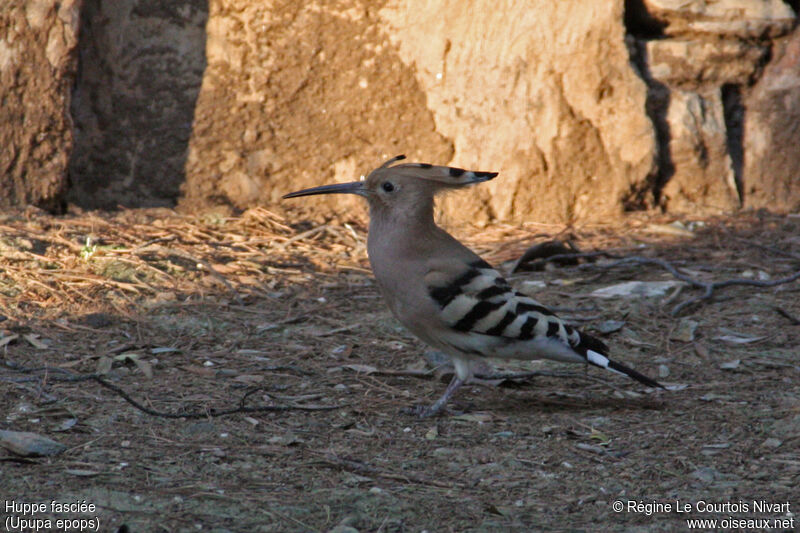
[(439, 404)]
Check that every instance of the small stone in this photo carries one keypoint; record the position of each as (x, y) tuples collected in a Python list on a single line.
[(772, 442), (685, 331), (663, 371)]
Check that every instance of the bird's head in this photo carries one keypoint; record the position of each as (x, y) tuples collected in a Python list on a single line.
[(404, 187)]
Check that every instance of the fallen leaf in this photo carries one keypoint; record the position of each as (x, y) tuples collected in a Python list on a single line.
[(361, 369), (144, 367), (730, 365), (685, 330), (734, 339), (82, 472), (28, 444), (225, 268), (701, 350), (604, 439), (249, 378), (200, 370), (712, 396), (104, 365), (35, 342), (66, 425), (8, 339), (609, 326), (163, 349), (590, 448), (531, 286), (493, 509), (706, 474), (289, 439), (676, 228), (480, 418), (636, 289), (135, 358)]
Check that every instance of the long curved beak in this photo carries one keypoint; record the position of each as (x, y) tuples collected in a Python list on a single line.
[(355, 187)]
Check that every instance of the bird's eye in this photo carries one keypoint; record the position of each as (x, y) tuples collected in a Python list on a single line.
[(387, 186)]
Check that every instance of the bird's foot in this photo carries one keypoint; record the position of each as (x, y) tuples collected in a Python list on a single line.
[(439, 405), (426, 411), (422, 411)]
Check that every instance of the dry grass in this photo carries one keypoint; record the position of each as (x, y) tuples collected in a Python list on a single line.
[(187, 314)]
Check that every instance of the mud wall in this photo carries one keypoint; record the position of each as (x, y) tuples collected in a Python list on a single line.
[(37, 69), (587, 108)]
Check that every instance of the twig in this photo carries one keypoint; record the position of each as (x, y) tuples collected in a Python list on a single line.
[(772, 249), (708, 287), (783, 312), (359, 467), (197, 260), (301, 236), (532, 265), (72, 377), (212, 412), (522, 376)]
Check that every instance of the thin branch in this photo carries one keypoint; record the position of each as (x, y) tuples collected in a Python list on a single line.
[(767, 248), (361, 468), (783, 312), (708, 287), (535, 264), (212, 412), (197, 260)]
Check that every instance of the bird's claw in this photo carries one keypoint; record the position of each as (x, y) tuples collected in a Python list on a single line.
[(421, 411)]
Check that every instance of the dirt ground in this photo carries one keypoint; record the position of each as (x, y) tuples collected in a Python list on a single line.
[(281, 324)]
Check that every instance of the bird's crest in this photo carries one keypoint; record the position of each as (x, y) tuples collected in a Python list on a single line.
[(445, 176)]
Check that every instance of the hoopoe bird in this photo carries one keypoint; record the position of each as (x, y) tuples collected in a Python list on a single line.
[(443, 292)]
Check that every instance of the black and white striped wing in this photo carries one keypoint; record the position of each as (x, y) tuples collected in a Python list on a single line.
[(480, 300), (486, 316)]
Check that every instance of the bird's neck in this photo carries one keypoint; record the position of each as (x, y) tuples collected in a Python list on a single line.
[(402, 233)]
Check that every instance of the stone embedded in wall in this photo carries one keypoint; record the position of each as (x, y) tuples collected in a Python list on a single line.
[(37, 66), (704, 180), (691, 63), (744, 19), (699, 59)]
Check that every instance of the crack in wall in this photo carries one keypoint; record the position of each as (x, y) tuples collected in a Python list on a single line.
[(734, 112), (656, 106)]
